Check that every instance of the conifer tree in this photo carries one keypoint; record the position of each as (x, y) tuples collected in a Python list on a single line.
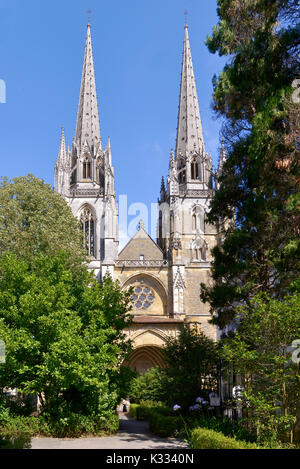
[(257, 203)]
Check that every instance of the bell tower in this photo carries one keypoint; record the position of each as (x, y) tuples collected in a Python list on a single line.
[(84, 175), (183, 232)]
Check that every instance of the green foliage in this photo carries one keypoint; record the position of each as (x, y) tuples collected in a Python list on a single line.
[(224, 425), (132, 410), (150, 386), (255, 204), (35, 219), (191, 371), (64, 339), (164, 426), (260, 351), (162, 420), (202, 438), (191, 367), (74, 425)]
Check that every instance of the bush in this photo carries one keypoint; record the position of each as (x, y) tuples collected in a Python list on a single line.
[(132, 410), (151, 386), (16, 431), (225, 426), (160, 418), (17, 425), (202, 438), (164, 426), (76, 425)]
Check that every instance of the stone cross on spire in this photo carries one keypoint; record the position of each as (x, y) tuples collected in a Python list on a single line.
[(189, 128), (88, 126)]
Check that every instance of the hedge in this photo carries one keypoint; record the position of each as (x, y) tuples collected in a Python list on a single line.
[(161, 423), (164, 426), (202, 438), (132, 410)]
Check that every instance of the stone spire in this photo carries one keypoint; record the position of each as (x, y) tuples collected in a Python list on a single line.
[(189, 128), (222, 158), (61, 182), (88, 127), (62, 153)]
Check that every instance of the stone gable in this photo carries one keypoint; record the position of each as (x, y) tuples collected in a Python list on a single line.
[(141, 245)]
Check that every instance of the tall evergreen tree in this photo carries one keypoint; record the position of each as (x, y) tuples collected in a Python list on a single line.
[(257, 203)]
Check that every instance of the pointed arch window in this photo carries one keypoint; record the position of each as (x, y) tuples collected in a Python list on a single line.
[(181, 172), (194, 169), (172, 223), (194, 221), (199, 250), (100, 173), (88, 231), (86, 169), (198, 219)]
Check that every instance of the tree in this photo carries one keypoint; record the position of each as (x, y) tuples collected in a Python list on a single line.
[(191, 366), (64, 336), (36, 220), (257, 203), (260, 349), (150, 386)]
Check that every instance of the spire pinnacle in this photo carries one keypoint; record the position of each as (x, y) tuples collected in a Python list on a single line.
[(88, 127), (222, 157), (62, 153), (189, 128), (141, 225)]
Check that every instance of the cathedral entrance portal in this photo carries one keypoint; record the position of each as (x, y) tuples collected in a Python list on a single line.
[(145, 357)]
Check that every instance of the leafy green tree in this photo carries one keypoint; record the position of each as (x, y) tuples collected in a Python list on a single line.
[(191, 366), (64, 336), (260, 350), (35, 220), (151, 386), (257, 203)]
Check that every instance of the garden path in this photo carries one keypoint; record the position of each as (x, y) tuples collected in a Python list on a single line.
[(132, 434)]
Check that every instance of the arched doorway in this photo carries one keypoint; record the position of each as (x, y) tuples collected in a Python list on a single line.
[(145, 357)]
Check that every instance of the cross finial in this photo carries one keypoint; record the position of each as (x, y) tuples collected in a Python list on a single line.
[(89, 12), (185, 15)]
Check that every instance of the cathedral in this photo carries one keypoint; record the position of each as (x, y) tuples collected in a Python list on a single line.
[(165, 273)]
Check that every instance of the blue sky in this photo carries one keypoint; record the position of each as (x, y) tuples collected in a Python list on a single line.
[(137, 50)]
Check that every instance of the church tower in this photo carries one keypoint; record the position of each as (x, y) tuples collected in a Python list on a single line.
[(84, 175), (183, 233)]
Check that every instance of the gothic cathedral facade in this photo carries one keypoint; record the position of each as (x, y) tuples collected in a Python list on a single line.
[(165, 274)]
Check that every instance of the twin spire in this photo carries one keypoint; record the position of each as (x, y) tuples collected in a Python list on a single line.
[(88, 126), (189, 128)]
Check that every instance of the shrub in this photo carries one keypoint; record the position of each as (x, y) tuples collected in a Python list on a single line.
[(163, 425), (151, 386), (162, 420), (226, 426), (75, 425), (132, 410), (16, 431), (202, 438)]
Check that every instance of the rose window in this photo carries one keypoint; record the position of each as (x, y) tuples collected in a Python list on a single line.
[(142, 297)]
